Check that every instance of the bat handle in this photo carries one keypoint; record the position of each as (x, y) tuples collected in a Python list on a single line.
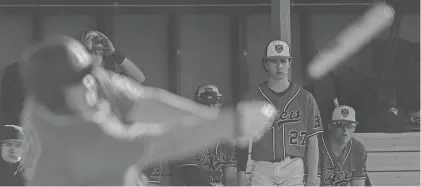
[(336, 101)]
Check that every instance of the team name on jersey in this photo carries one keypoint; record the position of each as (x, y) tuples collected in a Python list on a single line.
[(211, 162), (156, 173), (287, 117), (331, 177)]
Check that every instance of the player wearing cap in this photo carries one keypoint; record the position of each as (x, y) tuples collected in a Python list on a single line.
[(214, 165), (12, 149), (283, 154), (342, 157), (104, 53), (88, 126)]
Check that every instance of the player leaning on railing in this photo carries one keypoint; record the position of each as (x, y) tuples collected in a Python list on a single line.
[(342, 157)]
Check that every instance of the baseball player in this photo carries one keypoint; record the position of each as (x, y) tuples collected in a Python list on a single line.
[(104, 53), (342, 157), (88, 126), (214, 165), (290, 148), (12, 149)]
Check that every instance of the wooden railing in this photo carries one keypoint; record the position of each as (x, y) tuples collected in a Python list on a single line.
[(393, 159)]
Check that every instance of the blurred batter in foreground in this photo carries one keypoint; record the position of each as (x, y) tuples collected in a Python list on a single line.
[(86, 126)]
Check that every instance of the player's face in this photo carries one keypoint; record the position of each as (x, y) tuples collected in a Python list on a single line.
[(342, 131), (215, 105), (12, 150), (278, 68), (212, 105), (97, 59)]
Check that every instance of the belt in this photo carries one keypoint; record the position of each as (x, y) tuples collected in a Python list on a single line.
[(279, 160)]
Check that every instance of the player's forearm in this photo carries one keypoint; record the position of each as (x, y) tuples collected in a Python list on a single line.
[(132, 70), (312, 156), (174, 143), (242, 158), (183, 140), (161, 105), (241, 155), (242, 178), (230, 176), (357, 182)]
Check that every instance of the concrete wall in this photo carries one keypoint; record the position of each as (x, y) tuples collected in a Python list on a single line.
[(15, 35), (204, 44), (143, 39), (204, 48), (324, 27)]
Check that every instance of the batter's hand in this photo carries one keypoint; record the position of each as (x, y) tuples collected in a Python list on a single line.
[(255, 118), (108, 47), (133, 177)]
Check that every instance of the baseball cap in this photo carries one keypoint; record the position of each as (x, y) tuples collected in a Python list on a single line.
[(11, 132), (344, 113), (278, 49), (208, 94)]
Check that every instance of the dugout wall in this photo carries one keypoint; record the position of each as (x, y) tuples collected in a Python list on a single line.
[(181, 44)]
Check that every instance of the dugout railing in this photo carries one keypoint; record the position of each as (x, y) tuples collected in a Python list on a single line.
[(392, 159)]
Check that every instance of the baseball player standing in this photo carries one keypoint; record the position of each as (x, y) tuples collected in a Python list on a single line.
[(342, 157), (88, 126), (214, 165), (280, 157), (104, 53)]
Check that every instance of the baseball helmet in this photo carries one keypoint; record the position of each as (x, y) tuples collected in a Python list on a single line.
[(51, 65), (11, 141), (92, 42), (208, 94)]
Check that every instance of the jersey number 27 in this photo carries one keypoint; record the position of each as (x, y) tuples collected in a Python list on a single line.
[(297, 137)]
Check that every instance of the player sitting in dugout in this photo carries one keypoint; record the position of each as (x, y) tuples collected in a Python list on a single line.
[(215, 165), (342, 158)]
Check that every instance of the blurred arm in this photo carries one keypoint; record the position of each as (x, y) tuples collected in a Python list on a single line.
[(128, 66)]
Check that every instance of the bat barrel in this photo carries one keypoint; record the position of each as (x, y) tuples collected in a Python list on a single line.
[(350, 40)]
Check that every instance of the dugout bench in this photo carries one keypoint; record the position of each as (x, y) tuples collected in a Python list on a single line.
[(393, 159)]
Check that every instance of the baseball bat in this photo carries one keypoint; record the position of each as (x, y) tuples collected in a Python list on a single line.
[(351, 39), (335, 102)]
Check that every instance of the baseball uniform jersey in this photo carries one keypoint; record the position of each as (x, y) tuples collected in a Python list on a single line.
[(340, 171), (154, 175), (206, 167), (297, 120)]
